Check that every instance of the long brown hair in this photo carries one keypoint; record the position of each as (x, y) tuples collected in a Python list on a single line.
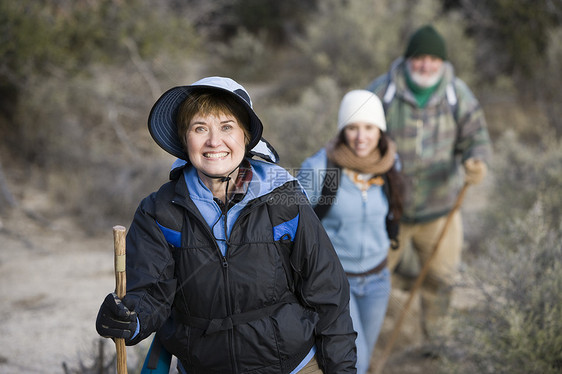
[(395, 182)]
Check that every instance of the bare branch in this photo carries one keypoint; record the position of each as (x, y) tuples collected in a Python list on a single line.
[(142, 67)]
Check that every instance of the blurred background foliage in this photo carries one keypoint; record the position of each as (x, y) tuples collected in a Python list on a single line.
[(78, 79)]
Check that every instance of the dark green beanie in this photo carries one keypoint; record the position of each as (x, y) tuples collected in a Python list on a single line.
[(426, 41)]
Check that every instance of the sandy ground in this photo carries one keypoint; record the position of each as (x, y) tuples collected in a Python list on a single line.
[(53, 279)]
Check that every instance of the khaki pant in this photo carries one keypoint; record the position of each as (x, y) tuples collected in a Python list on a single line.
[(311, 368), (437, 287)]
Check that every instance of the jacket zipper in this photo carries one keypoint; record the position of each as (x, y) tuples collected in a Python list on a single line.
[(224, 267), (224, 264)]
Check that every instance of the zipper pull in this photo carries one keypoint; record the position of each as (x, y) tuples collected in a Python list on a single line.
[(364, 195), (224, 262)]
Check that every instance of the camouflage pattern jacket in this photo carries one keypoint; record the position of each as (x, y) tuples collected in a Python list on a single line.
[(433, 141)]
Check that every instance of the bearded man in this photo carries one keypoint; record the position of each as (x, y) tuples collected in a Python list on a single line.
[(441, 135)]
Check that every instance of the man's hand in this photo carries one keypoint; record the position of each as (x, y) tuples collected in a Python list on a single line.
[(475, 170), (115, 320)]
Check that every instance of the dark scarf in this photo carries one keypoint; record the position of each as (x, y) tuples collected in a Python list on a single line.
[(341, 154)]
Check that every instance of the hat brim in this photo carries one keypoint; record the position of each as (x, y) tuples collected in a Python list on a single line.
[(162, 119)]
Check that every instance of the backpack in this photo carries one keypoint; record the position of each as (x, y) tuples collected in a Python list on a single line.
[(327, 197)]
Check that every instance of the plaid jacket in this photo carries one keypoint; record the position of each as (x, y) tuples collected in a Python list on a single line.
[(431, 144)]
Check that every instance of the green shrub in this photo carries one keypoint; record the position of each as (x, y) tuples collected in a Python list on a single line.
[(523, 174), (356, 41), (515, 327), (54, 37), (300, 129), (244, 56)]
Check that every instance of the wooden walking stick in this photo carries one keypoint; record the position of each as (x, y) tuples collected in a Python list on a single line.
[(418, 283), (120, 290)]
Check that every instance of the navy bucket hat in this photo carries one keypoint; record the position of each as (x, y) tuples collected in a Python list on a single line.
[(162, 119)]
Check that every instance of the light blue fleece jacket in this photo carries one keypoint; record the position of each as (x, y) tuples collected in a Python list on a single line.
[(266, 178), (356, 222)]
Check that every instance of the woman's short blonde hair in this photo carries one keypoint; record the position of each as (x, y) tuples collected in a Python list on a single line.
[(210, 102)]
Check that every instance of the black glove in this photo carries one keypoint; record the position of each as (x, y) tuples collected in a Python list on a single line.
[(115, 320)]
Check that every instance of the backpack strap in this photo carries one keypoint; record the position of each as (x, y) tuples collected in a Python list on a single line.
[(388, 93), (158, 359), (452, 99), (329, 189)]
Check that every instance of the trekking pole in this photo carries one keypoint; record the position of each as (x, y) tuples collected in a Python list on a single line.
[(120, 290), (418, 283)]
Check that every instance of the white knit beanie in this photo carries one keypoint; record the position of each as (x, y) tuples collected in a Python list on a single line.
[(361, 106)]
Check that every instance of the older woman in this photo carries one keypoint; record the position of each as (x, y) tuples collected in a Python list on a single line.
[(227, 261), (356, 191)]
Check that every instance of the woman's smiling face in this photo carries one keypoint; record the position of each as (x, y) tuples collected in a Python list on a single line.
[(216, 143), (362, 137)]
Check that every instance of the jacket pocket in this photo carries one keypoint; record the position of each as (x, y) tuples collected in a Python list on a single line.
[(176, 339), (294, 327)]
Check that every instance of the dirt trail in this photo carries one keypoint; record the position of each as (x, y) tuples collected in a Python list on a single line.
[(52, 281)]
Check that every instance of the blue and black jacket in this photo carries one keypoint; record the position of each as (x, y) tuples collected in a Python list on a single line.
[(254, 297)]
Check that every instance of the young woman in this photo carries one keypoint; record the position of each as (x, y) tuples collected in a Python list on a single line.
[(227, 261), (364, 206)]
